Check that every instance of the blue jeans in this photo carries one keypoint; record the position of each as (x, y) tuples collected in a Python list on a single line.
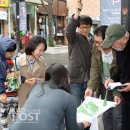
[(78, 91)]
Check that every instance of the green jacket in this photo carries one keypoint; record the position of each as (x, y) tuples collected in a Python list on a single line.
[(95, 80)]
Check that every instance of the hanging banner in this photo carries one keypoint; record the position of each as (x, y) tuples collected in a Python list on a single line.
[(36, 2), (22, 16), (110, 12), (3, 15), (14, 9), (4, 3)]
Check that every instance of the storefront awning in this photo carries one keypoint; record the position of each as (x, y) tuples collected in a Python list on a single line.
[(36, 2)]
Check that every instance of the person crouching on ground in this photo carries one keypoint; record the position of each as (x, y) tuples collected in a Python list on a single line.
[(53, 104)]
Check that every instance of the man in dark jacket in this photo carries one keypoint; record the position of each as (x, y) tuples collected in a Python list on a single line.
[(118, 38), (79, 48)]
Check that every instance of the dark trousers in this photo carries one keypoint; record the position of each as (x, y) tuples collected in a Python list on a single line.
[(126, 111), (87, 128), (112, 118)]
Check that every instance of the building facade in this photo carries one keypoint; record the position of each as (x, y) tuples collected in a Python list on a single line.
[(90, 8), (36, 17), (59, 21), (4, 17)]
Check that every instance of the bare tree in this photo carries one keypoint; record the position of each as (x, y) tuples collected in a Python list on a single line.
[(50, 20)]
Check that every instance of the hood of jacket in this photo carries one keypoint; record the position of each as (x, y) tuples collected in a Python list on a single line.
[(5, 43)]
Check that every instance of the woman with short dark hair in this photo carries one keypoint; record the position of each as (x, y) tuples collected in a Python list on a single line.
[(33, 43), (52, 104), (32, 65)]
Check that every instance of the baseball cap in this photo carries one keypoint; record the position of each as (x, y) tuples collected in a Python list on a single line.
[(113, 33)]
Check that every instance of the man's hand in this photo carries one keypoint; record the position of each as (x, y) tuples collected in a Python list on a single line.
[(3, 98), (86, 124), (79, 5), (78, 8), (117, 100), (88, 92), (126, 89), (107, 83)]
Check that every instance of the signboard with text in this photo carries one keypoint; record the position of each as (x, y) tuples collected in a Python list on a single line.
[(4, 3), (37, 2), (110, 12), (22, 16), (3, 15)]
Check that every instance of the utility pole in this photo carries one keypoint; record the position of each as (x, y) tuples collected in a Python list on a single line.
[(17, 25)]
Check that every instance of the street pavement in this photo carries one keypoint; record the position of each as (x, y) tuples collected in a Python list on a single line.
[(56, 58), (56, 55)]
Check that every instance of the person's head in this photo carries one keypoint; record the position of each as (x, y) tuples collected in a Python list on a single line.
[(99, 34), (84, 26), (36, 46), (58, 74), (116, 37), (7, 47)]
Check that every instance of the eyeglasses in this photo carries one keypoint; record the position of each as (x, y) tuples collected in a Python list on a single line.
[(98, 42), (84, 27)]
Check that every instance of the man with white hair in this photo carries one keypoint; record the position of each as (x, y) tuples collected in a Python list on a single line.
[(117, 37)]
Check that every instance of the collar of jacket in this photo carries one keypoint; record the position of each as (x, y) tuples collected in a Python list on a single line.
[(114, 63), (23, 62), (50, 84)]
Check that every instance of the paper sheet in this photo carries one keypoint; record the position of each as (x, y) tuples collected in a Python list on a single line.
[(90, 109), (116, 85)]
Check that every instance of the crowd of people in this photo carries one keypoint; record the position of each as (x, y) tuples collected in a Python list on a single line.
[(49, 96)]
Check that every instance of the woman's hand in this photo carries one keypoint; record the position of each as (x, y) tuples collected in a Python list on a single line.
[(31, 81), (3, 98), (6, 84)]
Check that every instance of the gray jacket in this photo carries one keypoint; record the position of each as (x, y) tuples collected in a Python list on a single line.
[(79, 50), (46, 109)]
